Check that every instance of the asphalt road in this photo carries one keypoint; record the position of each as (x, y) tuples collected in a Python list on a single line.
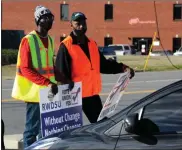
[(13, 112)]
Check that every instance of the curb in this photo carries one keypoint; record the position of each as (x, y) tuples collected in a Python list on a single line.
[(12, 141), (20, 144)]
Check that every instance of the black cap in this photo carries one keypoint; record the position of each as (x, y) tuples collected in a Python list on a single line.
[(77, 16)]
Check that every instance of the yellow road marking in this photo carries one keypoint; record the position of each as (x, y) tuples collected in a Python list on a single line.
[(102, 94), (10, 100)]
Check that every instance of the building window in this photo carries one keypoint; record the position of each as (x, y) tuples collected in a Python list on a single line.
[(64, 10), (62, 38), (177, 12), (177, 43), (108, 40), (108, 11)]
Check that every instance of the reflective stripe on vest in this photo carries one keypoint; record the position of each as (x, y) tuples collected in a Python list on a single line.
[(85, 70), (38, 56), (24, 89), (42, 72), (39, 69)]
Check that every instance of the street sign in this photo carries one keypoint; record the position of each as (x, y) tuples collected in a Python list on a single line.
[(63, 111), (114, 96)]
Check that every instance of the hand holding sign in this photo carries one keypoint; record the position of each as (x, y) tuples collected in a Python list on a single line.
[(129, 70), (132, 73), (54, 88), (71, 85)]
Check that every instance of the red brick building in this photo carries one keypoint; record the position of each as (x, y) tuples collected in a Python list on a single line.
[(109, 21)]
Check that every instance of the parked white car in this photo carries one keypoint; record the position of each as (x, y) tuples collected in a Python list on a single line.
[(178, 52), (119, 53), (125, 49)]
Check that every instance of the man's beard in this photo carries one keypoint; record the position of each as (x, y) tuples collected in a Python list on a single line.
[(80, 33)]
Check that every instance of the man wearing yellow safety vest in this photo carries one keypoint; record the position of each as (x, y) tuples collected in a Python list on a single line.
[(79, 59), (35, 70)]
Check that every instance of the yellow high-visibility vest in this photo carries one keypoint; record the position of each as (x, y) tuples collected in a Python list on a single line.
[(42, 60)]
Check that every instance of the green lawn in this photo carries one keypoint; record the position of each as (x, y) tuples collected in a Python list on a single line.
[(158, 63)]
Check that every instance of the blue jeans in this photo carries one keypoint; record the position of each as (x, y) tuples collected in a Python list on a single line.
[(32, 125)]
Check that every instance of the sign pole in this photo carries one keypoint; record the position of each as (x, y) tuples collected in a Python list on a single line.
[(146, 62)]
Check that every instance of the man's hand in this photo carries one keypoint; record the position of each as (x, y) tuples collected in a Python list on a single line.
[(130, 70), (71, 85), (54, 88), (132, 73)]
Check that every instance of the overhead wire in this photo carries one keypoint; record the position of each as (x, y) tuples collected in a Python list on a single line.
[(158, 32)]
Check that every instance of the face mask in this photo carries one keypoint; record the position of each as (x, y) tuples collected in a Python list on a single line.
[(79, 32)]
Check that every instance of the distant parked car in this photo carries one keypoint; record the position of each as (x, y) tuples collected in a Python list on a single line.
[(123, 47), (161, 53), (109, 52), (133, 50), (101, 48), (118, 50), (178, 52)]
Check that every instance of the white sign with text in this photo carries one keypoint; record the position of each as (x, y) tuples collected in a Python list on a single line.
[(63, 111), (114, 96)]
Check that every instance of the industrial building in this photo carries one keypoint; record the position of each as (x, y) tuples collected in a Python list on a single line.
[(131, 22)]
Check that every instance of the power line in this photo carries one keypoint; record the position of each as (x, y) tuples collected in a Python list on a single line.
[(160, 38)]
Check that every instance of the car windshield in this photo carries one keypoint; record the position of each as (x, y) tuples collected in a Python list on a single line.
[(111, 50), (116, 47), (108, 50)]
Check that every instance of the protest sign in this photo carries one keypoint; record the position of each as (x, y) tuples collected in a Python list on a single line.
[(63, 111), (114, 96)]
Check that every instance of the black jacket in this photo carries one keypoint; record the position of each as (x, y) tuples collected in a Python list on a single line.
[(2, 135), (63, 60)]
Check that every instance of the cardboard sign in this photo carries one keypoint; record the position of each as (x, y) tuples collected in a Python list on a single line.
[(114, 96), (63, 111)]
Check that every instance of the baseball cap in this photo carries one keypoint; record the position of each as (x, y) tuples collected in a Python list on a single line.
[(77, 16)]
